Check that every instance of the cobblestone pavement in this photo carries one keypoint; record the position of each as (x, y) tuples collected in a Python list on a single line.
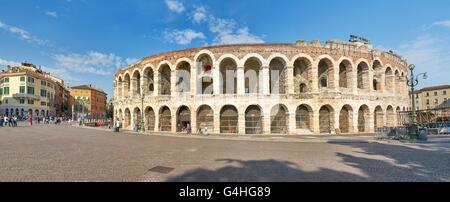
[(65, 153)]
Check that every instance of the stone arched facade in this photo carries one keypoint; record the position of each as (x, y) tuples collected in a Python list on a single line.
[(297, 88)]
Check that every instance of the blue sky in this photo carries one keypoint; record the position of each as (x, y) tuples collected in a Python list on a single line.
[(84, 41)]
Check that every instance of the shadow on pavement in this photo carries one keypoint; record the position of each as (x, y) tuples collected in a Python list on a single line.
[(376, 162)]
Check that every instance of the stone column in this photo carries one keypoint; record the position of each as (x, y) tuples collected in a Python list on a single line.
[(371, 121), (156, 85), (355, 120), (315, 78), (266, 123), (193, 81), (216, 122), (193, 120), (292, 124), (336, 120), (290, 80), (336, 77), (241, 123), (354, 80), (265, 80), (216, 79), (315, 122), (173, 120), (173, 80), (240, 81)]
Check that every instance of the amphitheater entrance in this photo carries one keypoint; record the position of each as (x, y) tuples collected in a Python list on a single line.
[(378, 117), (363, 119), (303, 117), (205, 118), (253, 120), (127, 119), (183, 119), (150, 119), (390, 116), (345, 119), (165, 118), (229, 119), (326, 119), (279, 120)]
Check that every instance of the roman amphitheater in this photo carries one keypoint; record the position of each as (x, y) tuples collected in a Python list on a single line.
[(332, 87)]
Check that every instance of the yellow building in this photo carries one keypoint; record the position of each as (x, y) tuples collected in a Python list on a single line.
[(432, 97), (27, 90), (88, 101)]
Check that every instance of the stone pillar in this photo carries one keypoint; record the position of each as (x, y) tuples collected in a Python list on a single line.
[(315, 122), (290, 80), (315, 78), (265, 80), (354, 80), (173, 120), (173, 80), (266, 123), (240, 81), (292, 123), (157, 128), (216, 79), (216, 122), (241, 123), (336, 120), (156, 85), (355, 120), (193, 81), (371, 121), (336, 77), (193, 120)]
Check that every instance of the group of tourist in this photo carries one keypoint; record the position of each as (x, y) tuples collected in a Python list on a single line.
[(10, 121)]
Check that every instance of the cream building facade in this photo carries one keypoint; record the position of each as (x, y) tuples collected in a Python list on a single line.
[(27, 90), (432, 97), (301, 88)]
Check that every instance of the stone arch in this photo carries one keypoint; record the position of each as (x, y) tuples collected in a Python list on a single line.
[(127, 119), (183, 76), (302, 75), (204, 53), (252, 67), (183, 118), (279, 119), (325, 72), (254, 56), (390, 116), (126, 85), (304, 117), (164, 72), (326, 119), (136, 82), (378, 117), (205, 118), (204, 67), (137, 116), (150, 119), (363, 80), (253, 120), (278, 77), (346, 119), (229, 116), (228, 80), (345, 73), (149, 79), (364, 119), (378, 75), (165, 119)]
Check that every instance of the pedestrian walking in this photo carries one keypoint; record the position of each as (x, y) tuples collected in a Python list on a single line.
[(15, 121), (10, 122)]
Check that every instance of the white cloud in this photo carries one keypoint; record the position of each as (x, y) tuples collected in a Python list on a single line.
[(199, 15), (429, 54), (175, 6), (182, 37), (445, 23), (242, 36), (7, 62), (92, 62), (22, 34), (51, 14)]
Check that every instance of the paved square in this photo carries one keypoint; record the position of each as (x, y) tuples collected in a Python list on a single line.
[(64, 153)]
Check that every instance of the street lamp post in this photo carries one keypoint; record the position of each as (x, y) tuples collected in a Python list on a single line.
[(413, 82), (142, 109)]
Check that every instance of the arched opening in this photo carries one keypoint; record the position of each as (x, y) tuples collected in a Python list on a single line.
[(126, 86), (127, 119), (253, 120), (378, 75), (205, 119), (165, 119), (149, 81), (279, 120), (150, 119), (363, 76), (229, 119), (378, 117), (204, 67), (183, 119), (137, 116), (136, 83), (120, 87), (363, 119), (325, 74), (346, 119), (390, 120), (164, 80), (302, 68), (326, 119), (228, 69), (251, 71), (183, 82), (345, 70), (388, 79), (303, 117), (277, 68)]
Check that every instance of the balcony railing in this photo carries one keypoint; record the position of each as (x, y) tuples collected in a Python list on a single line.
[(26, 96)]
